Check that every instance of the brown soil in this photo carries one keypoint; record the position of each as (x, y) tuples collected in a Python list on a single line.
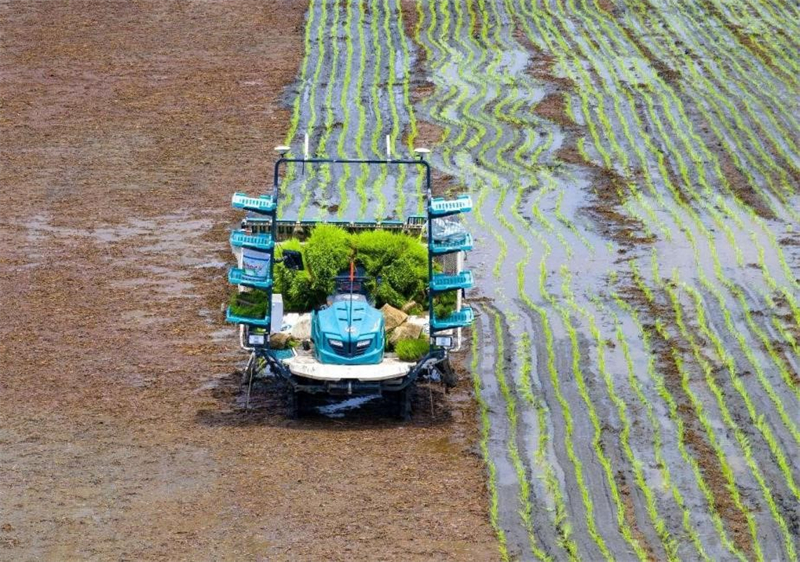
[(125, 127), (741, 187), (553, 108), (630, 515), (606, 5), (667, 74), (608, 190)]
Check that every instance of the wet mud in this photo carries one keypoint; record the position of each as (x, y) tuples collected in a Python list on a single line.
[(125, 128)]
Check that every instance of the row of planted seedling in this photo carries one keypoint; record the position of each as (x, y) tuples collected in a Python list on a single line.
[(738, 253), (661, 162), (331, 25)]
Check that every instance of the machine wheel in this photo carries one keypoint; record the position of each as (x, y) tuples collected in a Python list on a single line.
[(400, 403), (449, 375), (296, 403)]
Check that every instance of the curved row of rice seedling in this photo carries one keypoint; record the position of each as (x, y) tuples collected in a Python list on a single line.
[(322, 56), (391, 84), (363, 171), (730, 366), (412, 133), (525, 385), (680, 434), (661, 330), (483, 408), (565, 409), (344, 103), (562, 523), (669, 544), (719, 201), (484, 33), (656, 429), (320, 196), (719, 124), (502, 197), (722, 91), (526, 508), (580, 379), (678, 212), (685, 178), (722, 406), (746, 69), (771, 48), (621, 521), (706, 39), (781, 16)]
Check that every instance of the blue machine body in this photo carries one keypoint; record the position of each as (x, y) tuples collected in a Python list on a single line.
[(350, 331)]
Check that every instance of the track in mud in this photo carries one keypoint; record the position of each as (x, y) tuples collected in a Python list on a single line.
[(635, 169)]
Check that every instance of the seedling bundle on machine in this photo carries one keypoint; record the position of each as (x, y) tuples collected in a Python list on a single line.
[(346, 353)]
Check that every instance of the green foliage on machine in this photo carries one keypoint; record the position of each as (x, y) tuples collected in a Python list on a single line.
[(296, 286), (249, 304), (327, 253), (399, 259), (444, 304), (412, 349)]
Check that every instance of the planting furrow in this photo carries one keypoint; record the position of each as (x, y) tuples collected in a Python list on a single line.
[(486, 425)]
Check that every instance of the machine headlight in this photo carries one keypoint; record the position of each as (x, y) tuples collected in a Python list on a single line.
[(363, 343), (335, 343)]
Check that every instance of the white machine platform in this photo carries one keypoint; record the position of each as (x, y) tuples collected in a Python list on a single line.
[(305, 365)]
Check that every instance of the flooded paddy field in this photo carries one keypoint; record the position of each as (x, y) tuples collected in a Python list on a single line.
[(635, 167), (631, 384)]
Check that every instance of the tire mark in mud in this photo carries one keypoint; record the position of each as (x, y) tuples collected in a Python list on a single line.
[(486, 428)]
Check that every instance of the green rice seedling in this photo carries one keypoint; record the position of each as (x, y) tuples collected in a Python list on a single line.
[(670, 546), (526, 508), (744, 445), (686, 520), (730, 365), (577, 372), (494, 517), (525, 383), (660, 330)]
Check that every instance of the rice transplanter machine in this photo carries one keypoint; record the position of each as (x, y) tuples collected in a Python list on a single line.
[(346, 352)]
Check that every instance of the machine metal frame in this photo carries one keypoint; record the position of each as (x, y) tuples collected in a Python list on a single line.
[(264, 357)]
